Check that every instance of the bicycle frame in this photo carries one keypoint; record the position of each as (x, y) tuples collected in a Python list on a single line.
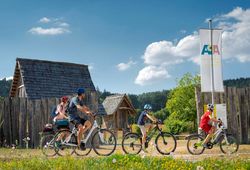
[(216, 135), (152, 132), (95, 126)]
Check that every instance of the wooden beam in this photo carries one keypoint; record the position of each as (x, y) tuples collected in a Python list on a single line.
[(125, 108)]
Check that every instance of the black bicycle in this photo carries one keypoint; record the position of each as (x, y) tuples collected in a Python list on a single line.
[(165, 142)]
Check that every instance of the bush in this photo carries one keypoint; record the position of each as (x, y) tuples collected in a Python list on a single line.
[(161, 114), (177, 126), (136, 129)]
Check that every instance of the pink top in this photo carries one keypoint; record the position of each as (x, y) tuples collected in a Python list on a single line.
[(61, 114)]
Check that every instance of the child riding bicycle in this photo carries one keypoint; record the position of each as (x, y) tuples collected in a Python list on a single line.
[(208, 124), (141, 123), (61, 113)]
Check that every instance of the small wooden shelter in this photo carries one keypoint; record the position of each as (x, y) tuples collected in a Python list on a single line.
[(116, 109), (36, 79)]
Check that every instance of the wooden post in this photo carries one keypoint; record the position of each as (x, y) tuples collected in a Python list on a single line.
[(243, 115), (7, 121), (15, 110), (22, 121), (199, 104)]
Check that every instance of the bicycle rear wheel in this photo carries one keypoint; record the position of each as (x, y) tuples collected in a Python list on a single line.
[(165, 143), (47, 144), (65, 143), (229, 146), (194, 145), (104, 142), (132, 143)]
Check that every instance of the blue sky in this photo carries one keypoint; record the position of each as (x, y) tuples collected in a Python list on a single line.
[(131, 46)]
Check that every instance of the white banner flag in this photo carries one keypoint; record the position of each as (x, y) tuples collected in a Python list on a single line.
[(205, 51)]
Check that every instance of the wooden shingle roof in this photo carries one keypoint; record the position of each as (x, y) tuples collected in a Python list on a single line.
[(43, 79), (112, 103)]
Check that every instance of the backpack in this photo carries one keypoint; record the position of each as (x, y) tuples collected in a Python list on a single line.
[(53, 112)]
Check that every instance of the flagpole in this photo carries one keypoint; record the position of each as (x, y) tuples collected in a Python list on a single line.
[(212, 63)]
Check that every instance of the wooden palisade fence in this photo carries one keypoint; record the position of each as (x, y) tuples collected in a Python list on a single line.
[(22, 118), (238, 109)]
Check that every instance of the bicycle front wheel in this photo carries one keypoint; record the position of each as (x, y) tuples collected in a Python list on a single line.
[(194, 145), (132, 143), (47, 145), (104, 142), (229, 144), (65, 143), (165, 143)]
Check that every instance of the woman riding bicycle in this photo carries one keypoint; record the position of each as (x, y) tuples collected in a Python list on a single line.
[(141, 122)]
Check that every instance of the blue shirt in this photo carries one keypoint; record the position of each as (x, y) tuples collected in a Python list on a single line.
[(141, 118), (72, 105)]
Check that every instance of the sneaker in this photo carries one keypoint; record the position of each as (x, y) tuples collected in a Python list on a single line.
[(205, 145)]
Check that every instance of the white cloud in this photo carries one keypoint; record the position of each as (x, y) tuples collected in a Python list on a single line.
[(63, 24), (125, 66), (48, 31), (44, 20), (165, 52), (235, 43), (159, 55), (236, 37), (150, 75), (55, 26)]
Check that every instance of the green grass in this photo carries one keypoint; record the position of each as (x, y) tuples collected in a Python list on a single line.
[(116, 162)]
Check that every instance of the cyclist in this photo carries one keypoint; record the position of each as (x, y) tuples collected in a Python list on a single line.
[(208, 124), (77, 104), (61, 109), (61, 118), (141, 123)]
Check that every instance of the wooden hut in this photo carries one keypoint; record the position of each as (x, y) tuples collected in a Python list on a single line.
[(116, 109), (36, 79)]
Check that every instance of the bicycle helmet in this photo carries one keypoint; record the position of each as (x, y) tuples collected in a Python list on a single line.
[(80, 91), (210, 107), (64, 99), (147, 107)]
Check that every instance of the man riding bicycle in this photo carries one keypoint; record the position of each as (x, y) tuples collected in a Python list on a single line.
[(77, 104), (141, 123), (208, 124)]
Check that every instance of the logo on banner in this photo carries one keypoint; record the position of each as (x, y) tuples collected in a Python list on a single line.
[(207, 49)]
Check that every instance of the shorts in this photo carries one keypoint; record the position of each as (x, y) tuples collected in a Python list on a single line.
[(206, 127), (62, 124), (76, 120), (143, 129)]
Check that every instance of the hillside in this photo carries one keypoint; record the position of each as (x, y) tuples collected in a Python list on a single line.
[(5, 87)]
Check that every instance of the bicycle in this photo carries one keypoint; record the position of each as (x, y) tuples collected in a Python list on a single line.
[(227, 142), (103, 141), (47, 140), (165, 142)]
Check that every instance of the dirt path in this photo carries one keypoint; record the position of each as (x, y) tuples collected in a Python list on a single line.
[(180, 153)]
